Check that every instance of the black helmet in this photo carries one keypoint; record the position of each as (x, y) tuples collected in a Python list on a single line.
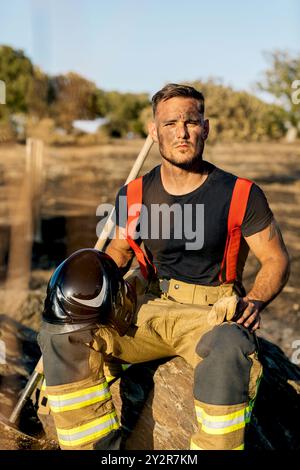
[(88, 288)]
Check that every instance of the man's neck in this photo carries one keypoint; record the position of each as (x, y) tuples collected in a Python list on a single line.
[(179, 181)]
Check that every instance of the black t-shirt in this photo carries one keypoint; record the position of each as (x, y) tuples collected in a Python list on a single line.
[(201, 214)]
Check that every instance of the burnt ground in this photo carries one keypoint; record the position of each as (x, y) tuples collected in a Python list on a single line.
[(77, 180)]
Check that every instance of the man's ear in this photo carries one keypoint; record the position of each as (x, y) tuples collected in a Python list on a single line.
[(205, 130), (152, 130)]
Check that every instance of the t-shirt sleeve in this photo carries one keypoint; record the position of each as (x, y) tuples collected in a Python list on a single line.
[(121, 207), (258, 213)]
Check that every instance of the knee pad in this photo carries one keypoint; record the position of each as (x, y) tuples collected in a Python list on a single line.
[(227, 338), (65, 355), (222, 376)]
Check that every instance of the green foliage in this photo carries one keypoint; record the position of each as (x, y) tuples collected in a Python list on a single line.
[(101, 102), (239, 115), (64, 98), (26, 85), (278, 79), (37, 94), (72, 97), (124, 113), (146, 116), (16, 70)]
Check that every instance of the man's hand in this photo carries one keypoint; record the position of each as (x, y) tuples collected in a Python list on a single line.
[(270, 250), (248, 313)]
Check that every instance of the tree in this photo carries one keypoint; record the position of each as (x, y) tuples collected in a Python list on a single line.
[(72, 97), (27, 87), (124, 113), (37, 97), (278, 80), (16, 70), (237, 115)]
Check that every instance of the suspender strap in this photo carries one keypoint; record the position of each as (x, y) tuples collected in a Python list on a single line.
[(236, 215), (134, 205)]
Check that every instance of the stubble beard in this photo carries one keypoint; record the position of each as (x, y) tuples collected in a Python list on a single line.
[(194, 164)]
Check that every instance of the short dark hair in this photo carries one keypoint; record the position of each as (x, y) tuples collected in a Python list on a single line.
[(172, 90)]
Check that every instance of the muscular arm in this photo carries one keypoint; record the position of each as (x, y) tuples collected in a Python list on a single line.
[(269, 248), (120, 250)]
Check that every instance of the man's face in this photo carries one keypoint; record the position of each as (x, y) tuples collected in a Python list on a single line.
[(180, 130)]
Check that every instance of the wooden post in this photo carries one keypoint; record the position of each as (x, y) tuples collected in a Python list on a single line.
[(34, 169), (109, 226), (25, 222)]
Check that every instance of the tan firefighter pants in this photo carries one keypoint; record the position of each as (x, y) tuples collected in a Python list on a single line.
[(190, 321)]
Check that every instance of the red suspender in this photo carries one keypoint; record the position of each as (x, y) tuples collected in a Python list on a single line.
[(134, 198), (236, 214)]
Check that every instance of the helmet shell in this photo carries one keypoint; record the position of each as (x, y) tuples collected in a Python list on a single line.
[(88, 288)]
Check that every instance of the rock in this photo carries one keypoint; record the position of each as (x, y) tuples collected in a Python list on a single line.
[(275, 420), (155, 401), (157, 405), (19, 356), (168, 418)]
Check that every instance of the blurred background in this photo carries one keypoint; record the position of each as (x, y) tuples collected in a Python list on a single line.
[(76, 80)]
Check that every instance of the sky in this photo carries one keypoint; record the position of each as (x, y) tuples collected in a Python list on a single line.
[(139, 45)]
